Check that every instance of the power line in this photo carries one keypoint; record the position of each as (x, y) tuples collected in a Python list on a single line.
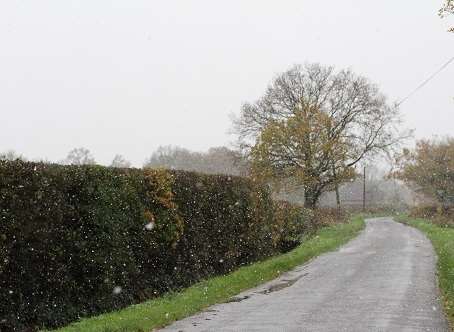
[(426, 81)]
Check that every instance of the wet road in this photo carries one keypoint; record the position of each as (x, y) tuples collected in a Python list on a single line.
[(384, 280)]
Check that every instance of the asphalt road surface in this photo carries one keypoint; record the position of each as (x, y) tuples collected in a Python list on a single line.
[(384, 280)]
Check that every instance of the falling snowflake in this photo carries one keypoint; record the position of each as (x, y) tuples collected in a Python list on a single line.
[(117, 290), (149, 226)]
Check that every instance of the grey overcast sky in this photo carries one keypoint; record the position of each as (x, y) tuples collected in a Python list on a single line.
[(127, 76)]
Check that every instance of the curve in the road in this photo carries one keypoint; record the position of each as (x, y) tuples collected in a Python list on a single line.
[(384, 280)]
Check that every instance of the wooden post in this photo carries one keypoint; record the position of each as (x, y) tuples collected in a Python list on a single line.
[(364, 189)]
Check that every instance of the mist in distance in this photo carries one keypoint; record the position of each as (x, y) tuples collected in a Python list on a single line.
[(126, 78)]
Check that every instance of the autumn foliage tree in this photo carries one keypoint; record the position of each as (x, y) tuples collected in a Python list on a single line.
[(303, 148), (447, 9), (314, 125), (429, 169)]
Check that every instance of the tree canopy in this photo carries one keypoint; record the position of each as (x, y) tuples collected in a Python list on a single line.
[(314, 125), (80, 156), (429, 169)]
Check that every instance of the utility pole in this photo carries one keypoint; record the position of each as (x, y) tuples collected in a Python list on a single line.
[(364, 189)]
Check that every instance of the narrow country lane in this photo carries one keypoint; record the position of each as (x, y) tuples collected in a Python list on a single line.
[(384, 280)]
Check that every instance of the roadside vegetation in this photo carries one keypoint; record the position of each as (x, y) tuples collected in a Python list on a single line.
[(428, 169), (173, 306), (81, 240), (442, 237)]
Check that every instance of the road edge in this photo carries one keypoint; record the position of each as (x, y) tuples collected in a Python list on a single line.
[(446, 298), (163, 311)]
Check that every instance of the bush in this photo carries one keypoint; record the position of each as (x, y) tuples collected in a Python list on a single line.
[(228, 223), (425, 211), (70, 235), (437, 213), (327, 216), (81, 240), (288, 229)]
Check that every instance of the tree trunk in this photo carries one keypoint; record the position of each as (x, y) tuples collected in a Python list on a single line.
[(311, 199), (336, 189), (338, 201)]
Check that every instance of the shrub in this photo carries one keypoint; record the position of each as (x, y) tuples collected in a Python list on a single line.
[(425, 211), (70, 236), (327, 216), (288, 228), (227, 223), (81, 240), (437, 213)]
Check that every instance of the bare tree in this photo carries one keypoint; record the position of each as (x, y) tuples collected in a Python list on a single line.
[(217, 160), (80, 156), (314, 125), (222, 160), (120, 162), (175, 158), (11, 155)]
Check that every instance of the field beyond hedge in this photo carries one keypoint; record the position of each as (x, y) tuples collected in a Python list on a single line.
[(79, 241)]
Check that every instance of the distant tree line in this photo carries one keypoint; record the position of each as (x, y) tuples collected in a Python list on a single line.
[(77, 156), (217, 160), (11, 155)]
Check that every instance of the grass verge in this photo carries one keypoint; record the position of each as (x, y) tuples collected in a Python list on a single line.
[(443, 241), (174, 306)]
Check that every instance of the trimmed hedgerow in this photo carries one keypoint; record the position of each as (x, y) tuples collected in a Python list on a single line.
[(76, 241)]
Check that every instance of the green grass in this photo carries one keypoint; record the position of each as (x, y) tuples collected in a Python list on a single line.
[(443, 241), (164, 310)]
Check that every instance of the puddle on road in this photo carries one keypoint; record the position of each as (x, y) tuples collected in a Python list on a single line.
[(271, 289), (237, 299), (283, 285)]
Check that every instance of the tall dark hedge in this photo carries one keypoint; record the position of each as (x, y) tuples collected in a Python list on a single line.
[(77, 241)]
